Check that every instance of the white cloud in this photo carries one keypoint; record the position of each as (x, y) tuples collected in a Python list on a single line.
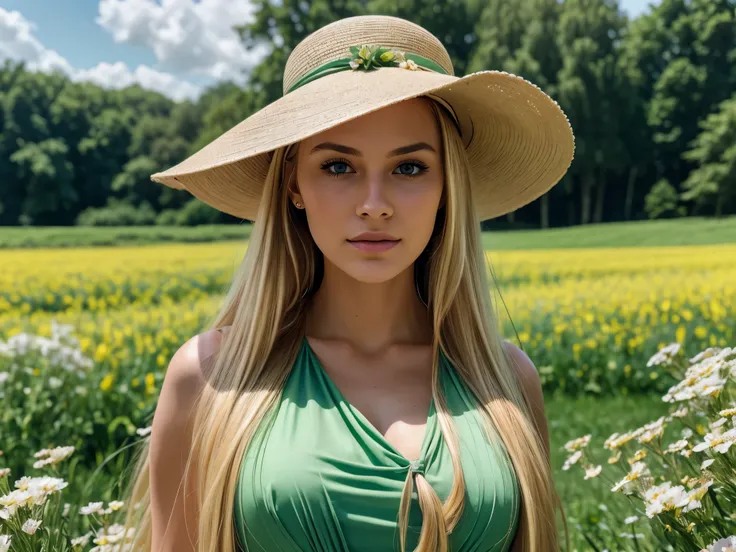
[(17, 42), (189, 36), (118, 75)]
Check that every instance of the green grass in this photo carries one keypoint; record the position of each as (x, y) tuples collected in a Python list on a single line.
[(686, 231), (572, 417), (81, 236)]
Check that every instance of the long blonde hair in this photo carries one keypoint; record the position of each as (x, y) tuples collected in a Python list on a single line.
[(266, 307)]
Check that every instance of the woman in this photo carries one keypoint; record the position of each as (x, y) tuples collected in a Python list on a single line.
[(355, 393)]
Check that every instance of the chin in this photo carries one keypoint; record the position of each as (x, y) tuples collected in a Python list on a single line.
[(374, 271)]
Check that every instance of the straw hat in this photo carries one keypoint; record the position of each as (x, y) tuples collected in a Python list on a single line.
[(518, 141)]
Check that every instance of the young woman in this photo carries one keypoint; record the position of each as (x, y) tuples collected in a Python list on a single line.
[(355, 392)]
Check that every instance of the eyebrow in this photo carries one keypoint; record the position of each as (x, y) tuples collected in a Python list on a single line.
[(347, 150)]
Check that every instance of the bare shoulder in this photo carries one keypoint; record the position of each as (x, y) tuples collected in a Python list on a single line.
[(525, 369), (188, 368), (174, 520), (531, 386)]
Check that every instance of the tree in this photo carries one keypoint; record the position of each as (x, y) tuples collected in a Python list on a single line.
[(589, 35), (277, 27), (662, 199), (713, 182), (685, 52), (452, 21), (538, 59), (47, 174)]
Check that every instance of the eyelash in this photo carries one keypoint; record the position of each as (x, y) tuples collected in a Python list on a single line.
[(327, 164)]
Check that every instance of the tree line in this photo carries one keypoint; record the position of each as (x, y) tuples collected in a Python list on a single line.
[(652, 102)]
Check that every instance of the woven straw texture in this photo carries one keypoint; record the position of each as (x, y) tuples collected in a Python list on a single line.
[(333, 41), (518, 140)]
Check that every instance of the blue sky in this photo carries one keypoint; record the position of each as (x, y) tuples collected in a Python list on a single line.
[(119, 41)]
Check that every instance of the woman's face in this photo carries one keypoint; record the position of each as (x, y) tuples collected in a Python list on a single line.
[(379, 175)]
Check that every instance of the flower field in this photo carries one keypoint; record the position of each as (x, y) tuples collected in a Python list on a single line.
[(86, 334), (588, 318)]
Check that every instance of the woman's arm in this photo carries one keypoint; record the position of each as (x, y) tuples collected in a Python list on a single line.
[(174, 520), (532, 388)]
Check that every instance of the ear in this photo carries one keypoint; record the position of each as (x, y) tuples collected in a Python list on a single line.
[(292, 186)]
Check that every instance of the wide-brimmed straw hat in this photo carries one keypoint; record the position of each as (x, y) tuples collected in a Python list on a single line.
[(518, 141)]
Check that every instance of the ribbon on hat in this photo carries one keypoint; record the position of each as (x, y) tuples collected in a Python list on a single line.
[(367, 58)]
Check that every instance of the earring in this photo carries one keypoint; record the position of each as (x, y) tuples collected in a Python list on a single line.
[(298, 204)]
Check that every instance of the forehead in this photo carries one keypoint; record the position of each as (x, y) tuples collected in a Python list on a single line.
[(386, 129)]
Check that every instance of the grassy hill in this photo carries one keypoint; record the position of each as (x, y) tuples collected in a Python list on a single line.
[(686, 231)]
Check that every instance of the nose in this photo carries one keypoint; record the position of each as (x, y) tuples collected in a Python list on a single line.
[(374, 203)]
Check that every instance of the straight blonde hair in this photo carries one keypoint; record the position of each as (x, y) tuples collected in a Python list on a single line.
[(266, 306)]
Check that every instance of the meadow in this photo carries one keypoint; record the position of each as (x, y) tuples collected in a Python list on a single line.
[(590, 318), (651, 233)]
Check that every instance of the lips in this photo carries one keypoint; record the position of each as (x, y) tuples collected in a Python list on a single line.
[(372, 245)]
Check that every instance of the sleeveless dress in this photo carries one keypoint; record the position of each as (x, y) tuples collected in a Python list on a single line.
[(320, 477)]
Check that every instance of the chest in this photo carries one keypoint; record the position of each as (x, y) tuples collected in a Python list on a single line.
[(322, 478), (392, 393)]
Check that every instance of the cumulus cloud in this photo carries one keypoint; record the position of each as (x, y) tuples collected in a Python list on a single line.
[(17, 42), (188, 36), (118, 75)]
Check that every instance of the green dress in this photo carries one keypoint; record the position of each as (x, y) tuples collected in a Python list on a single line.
[(320, 477)]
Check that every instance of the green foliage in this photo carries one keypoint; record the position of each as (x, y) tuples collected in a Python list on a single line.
[(678, 232), (79, 236), (714, 150), (196, 213), (638, 94), (118, 213), (662, 199)]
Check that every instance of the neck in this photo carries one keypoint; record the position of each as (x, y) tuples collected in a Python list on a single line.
[(369, 316)]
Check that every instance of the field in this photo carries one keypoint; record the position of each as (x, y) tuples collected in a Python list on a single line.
[(682, 231), (590, 318)]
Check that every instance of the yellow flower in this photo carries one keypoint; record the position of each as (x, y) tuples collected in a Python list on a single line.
[(101, 353), (106, 382), (680, 334)]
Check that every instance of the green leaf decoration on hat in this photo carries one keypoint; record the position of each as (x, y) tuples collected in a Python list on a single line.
[(369, 57)]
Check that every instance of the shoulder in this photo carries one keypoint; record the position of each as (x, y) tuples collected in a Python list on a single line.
[(525, 369), (185, 378), (188, 369), (531, 387)]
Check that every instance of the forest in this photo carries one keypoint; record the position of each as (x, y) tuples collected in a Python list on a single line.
[(652, 102)]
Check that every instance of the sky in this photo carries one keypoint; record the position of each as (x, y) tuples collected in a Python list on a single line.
[(176, 47)]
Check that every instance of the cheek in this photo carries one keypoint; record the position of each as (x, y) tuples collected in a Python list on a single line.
[(329, 214), (417, 207)]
